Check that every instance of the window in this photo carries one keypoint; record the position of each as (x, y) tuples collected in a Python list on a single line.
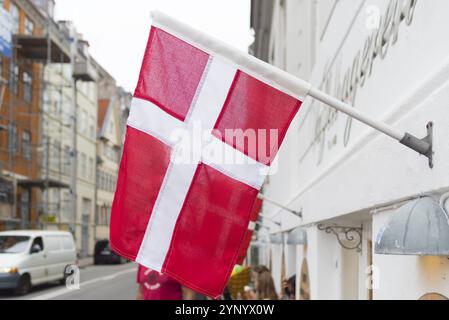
[(92, 127), (14, 77), (29, 26), (83, 165), (12, 139), (84, 124), (67, 160), (91, 169), (26, 145), (25, 205), (56, 153), (56, 197), (15, 17), (27, 86), (38, 242)]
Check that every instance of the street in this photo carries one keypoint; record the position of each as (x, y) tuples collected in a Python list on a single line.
[(105, 282)]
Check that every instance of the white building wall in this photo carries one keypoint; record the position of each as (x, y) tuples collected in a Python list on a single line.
[(338, 171)]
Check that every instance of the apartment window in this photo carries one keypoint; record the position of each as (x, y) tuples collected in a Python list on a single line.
[(27, 86), (84, 120), (56, 154), (56, 200), (67, 159), (25, 205), (29, 26), (12, 139), (15, 17), (26, 145), (92, 127), (91, 168), (14, 77), (83, 165)]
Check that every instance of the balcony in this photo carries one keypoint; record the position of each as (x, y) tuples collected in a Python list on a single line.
[(84, 71), (36, 48)]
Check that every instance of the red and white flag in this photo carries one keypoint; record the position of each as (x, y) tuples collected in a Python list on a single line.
[(253, 217), (187, 216)]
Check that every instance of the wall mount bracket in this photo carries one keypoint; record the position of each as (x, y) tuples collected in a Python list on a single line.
[(422, 146)]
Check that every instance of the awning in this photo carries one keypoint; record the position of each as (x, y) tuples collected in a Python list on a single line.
[(42, 184), (35, 48), (277, 238), (419, 228), (297, 236)]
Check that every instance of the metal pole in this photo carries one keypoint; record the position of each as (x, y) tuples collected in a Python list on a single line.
[(265, 198), (422, 146)]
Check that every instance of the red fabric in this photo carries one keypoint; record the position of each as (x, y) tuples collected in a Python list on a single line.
[(157, 286), (170, 74), (209, 231), (138, 185), (249, 233), (212, 225), (264, 108)]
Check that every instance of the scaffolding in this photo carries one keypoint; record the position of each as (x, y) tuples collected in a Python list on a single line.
[(34, 173)]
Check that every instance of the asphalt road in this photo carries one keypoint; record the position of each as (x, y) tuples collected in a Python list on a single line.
[(109, 282)]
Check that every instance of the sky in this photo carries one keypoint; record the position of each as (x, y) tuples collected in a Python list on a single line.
[(117, 30)]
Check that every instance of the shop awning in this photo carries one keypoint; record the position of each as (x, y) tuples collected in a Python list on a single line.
[(419, 228), (297, 236), (43, 183), (277, 238)]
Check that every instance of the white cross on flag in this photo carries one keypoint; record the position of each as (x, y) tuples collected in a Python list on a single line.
[(187, 216)]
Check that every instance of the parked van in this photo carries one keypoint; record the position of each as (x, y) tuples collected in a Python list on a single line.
[(29, 258)]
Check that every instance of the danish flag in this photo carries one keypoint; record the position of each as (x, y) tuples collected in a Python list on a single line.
[(188, 219)]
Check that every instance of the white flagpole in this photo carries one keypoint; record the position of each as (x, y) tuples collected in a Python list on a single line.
[(422, 146), (265, 198)]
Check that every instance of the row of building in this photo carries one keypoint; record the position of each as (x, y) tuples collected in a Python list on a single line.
[(61, 126), (374, 219)]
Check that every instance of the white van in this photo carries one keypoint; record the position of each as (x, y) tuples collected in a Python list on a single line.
[(29, 258)]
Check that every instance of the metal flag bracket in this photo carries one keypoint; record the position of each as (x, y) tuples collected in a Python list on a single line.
[(422, 146)]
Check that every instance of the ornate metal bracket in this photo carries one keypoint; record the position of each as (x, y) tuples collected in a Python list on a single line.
[(349, 238)]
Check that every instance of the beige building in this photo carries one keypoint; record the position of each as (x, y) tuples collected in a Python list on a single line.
[(108, 150), (58, 164)]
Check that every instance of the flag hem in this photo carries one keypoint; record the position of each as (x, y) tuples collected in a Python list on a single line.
[(257, 68)]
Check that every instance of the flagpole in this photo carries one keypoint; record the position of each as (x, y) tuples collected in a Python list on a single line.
[(422, 146), (265, 198)]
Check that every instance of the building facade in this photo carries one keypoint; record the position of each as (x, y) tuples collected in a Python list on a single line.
[(113, 102), (19, 116), (49, 125), (348, 180)]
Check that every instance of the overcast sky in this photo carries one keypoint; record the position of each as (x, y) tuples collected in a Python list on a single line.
[(117, 30)]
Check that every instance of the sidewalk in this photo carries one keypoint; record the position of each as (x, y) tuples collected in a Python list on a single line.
[(85, 262)]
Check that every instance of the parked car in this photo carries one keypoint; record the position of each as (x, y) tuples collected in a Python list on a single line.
[(29, 258), (103, 254)]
